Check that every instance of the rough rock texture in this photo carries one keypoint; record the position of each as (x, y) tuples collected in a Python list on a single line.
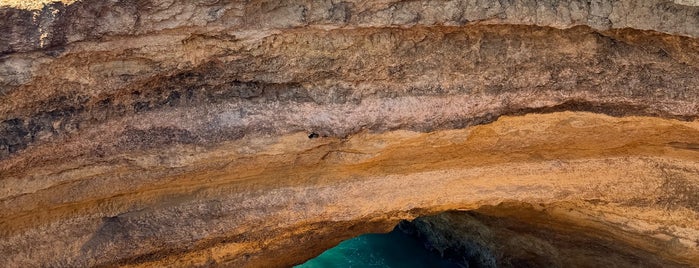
[(525, 235), (259, 133)]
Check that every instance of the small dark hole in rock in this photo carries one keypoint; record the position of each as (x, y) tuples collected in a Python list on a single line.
[(313, 135)]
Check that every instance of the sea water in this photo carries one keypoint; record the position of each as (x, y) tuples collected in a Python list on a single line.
[(394, 249)]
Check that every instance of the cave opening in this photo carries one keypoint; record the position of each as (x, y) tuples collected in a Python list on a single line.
[(510, 234), (393, 249)]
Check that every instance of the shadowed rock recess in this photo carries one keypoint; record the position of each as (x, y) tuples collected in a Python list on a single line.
[(151, 133)]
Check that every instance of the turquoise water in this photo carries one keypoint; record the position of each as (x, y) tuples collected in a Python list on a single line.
[(394, 249)]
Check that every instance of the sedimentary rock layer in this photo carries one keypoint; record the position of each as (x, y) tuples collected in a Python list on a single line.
[(255, 133), (267, 198)]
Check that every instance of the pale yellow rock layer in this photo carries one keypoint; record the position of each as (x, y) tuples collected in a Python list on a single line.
[(31, 4)]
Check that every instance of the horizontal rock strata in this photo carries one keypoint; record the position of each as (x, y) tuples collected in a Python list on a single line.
[(255, 133), (243, 198)]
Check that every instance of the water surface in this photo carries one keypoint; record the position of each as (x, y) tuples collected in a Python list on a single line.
[(394, 249)]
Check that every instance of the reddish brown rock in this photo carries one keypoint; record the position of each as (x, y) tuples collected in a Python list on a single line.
[(233, 133)]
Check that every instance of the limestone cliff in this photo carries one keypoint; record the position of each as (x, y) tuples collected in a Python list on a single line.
[(259, 133)]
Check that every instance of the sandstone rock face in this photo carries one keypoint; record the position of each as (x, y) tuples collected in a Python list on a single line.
[(260, 133)]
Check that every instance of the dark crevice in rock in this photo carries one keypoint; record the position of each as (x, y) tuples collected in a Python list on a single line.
[(611, 109)]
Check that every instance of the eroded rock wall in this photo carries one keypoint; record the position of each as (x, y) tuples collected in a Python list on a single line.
[(526, 235), (195, 133)]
